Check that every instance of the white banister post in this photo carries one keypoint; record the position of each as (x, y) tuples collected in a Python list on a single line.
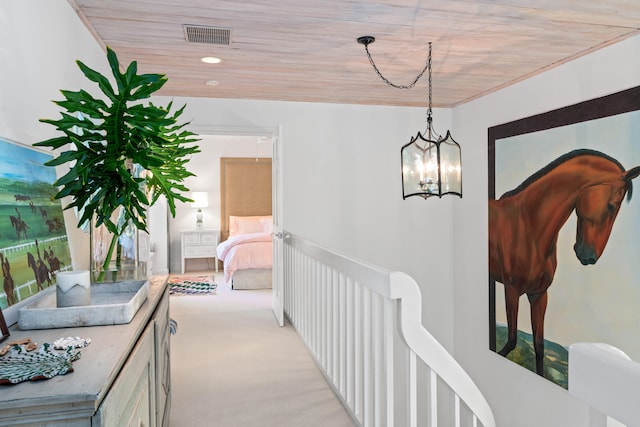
[(404, 288), (378, 369), (342, 357), (606, 378), (413, 389), (388, 327), (368, 386), (433, 398), (359, 355)]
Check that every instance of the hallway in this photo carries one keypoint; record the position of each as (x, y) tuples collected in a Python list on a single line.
[(231, 365)]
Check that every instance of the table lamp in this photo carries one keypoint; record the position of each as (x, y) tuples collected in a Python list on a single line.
[(200, 200)]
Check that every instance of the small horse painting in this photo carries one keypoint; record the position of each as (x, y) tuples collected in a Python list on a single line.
[(524, 225), (40, 271), (8, 283), (27, 201)]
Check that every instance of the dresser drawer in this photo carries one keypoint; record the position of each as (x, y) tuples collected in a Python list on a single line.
[(131, 400), (191, 239), (209, 239), (199, 251)]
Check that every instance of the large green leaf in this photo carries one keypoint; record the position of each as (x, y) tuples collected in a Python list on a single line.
[(102, 138)]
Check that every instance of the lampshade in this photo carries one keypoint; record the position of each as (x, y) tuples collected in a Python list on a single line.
[(200, 199)]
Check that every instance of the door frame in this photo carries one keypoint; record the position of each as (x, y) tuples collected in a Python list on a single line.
[(274, 133), (278, 234)]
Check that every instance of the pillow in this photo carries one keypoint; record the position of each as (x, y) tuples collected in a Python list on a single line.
[(267, 225), (246, 226), (250, 224)]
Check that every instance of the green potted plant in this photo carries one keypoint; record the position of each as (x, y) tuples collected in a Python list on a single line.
[(122, 154)]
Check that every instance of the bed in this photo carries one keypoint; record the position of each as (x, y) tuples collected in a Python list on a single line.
[(247, 254), (245, 209)]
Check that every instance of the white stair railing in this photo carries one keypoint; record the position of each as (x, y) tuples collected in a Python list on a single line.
[(606, 378), (363, 326)]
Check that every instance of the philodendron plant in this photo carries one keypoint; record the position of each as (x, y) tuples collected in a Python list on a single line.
[(103, 139)]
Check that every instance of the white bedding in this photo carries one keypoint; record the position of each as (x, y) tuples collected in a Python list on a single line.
[(245, 251)]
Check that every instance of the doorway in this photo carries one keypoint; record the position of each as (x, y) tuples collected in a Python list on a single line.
[(234, 142)]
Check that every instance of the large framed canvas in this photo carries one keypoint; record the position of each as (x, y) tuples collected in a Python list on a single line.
[(33, 237), (564, 232)]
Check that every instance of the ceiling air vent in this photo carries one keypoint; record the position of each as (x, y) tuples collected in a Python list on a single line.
[(219, 36)]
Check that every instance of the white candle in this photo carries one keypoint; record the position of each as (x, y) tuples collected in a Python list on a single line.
[(66, 280), (73, 288)]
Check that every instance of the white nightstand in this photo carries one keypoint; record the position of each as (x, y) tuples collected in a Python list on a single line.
[(199, 244)]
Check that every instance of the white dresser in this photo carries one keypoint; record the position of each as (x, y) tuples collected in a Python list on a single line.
[(123, 379), (199, 244)]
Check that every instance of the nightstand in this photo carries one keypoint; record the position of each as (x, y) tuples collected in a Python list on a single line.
[(199, 244)]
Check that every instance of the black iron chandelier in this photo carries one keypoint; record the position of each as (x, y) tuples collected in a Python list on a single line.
[(431, 164)]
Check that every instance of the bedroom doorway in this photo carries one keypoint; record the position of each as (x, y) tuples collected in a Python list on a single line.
[(272, 136)]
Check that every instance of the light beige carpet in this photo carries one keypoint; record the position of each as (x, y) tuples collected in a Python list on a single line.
[(231, 365)]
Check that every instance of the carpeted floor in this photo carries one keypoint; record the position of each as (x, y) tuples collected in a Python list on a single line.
[(231, 365)]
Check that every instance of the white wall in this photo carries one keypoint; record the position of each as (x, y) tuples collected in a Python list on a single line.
[(158, 227), (518, 397), (41, 40)]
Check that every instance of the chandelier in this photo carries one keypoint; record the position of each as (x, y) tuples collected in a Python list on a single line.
[(431, 164)]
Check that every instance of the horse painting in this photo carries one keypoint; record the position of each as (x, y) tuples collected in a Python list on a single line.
[(524, 225), (54, 262), (8, 283), (19, 225), (40, 270)]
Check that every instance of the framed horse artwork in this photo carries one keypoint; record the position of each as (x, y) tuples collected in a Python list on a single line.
[(564, 231), (4, 330), (33, 237)]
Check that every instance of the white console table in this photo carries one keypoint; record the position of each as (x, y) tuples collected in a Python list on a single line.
[(121, 379), (199, 244)]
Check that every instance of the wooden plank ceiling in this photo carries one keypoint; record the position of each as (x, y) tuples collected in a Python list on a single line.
[(306, 50)]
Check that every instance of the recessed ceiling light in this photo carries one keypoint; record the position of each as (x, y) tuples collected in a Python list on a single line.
[(211, 60), (212, 83)]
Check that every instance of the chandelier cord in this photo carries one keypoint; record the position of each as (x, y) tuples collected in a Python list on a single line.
[(366, 40), (409, 86), (430, 131)]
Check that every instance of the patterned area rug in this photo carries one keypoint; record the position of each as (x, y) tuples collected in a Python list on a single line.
[(192, 285)]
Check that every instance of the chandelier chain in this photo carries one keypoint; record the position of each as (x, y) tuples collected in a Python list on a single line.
[(409, 86), (426, 171), (429, 76)]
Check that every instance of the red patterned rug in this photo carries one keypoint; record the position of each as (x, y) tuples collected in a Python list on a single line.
[(192, 285)]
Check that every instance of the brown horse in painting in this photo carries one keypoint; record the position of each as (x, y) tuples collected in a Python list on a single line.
[(524, 225)]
